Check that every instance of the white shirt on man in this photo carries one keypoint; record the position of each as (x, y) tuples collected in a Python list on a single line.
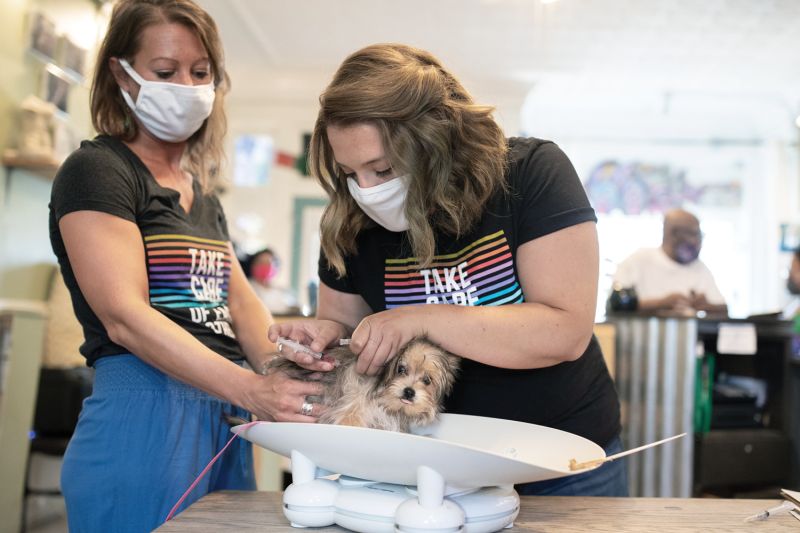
[(654, 275)]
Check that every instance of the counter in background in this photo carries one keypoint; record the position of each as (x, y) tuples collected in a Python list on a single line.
[(657, 362)]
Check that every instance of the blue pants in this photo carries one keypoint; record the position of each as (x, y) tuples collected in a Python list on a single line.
[(141, 439), (610, 479)]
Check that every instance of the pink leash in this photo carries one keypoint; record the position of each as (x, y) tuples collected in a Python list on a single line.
[(207, 468)]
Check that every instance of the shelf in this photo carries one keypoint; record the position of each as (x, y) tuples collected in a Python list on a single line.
[(45, 165), (28, 307)]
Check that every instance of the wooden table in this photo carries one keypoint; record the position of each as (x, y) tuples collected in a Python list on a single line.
[(241, 511)]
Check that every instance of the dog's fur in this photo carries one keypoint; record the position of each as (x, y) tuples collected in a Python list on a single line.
[(407, 392)]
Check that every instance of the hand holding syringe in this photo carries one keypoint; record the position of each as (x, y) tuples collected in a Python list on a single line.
[(297, 347)]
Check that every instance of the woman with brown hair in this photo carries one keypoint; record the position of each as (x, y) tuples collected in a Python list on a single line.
[(169, 318), (431, 204)]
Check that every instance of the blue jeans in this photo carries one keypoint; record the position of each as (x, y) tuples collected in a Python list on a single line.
[(610, 479), (142, 438)]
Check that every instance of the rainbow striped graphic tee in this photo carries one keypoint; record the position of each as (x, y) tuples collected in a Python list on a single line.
[(190, 275), (480, 273), (187, 258)]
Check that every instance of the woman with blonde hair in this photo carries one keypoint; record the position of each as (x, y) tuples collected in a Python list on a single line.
[(431, 204), (169, 318)]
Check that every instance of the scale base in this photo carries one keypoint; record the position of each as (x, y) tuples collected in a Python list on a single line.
[(374, 507)]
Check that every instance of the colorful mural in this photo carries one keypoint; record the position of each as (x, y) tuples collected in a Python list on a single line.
[(636, 187)]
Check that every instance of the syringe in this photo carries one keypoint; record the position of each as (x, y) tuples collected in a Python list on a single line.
[(784, 507), (297, 347)]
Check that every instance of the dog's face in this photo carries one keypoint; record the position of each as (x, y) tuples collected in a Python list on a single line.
[(417, 380)]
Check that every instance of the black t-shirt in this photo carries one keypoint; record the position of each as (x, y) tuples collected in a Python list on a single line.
[(479, 268), (187, 256)]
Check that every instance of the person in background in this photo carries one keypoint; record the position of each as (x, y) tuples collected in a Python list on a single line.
[(793, 279), (790, 310), (672, 278), (261, 268), (167, 313), (440, 226)]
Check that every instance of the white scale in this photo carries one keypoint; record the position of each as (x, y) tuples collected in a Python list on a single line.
[(456, 475)]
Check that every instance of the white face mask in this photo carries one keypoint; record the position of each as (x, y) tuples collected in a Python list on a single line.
[(170, 111), (384, 203)]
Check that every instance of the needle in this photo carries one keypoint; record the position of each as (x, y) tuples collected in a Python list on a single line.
[(763, 515), (297, 347)]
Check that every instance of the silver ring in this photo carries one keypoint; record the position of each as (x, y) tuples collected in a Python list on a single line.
[(306, 409), (280, 346)]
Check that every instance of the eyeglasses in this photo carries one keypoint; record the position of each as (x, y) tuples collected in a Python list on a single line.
[(686, 233)]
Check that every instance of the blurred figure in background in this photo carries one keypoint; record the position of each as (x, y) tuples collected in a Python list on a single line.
[(793, 286), (671, 277), (262, 267)]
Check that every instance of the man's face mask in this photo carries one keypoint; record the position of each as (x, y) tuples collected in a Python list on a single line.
[(686, 243), (686, 252)]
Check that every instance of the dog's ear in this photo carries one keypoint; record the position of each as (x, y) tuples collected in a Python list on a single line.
[(455, 363), (387, 373), (447, 365)]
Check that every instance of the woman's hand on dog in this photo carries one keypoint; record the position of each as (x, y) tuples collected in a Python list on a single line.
[(318, 335), (279, 398), (378, 337)]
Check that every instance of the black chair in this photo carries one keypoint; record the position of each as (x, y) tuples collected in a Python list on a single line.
[(58, 404)]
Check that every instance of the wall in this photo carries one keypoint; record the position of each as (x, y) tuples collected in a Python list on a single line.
[(25, 255)]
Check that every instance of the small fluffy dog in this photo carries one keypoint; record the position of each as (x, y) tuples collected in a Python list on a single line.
[(408, 391)]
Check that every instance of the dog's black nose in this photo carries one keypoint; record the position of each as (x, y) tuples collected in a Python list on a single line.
[(408, 393)]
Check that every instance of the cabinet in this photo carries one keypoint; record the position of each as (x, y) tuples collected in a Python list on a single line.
[(656, 359), (751, 444), (22, 326)]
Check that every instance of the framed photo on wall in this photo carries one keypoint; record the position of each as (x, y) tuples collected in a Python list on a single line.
[(73, 58), (253, 159), (43, 37), (55, 89)]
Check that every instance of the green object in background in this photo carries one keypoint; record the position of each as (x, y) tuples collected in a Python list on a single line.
[(795, 345), (704, 385), (301, 164)]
